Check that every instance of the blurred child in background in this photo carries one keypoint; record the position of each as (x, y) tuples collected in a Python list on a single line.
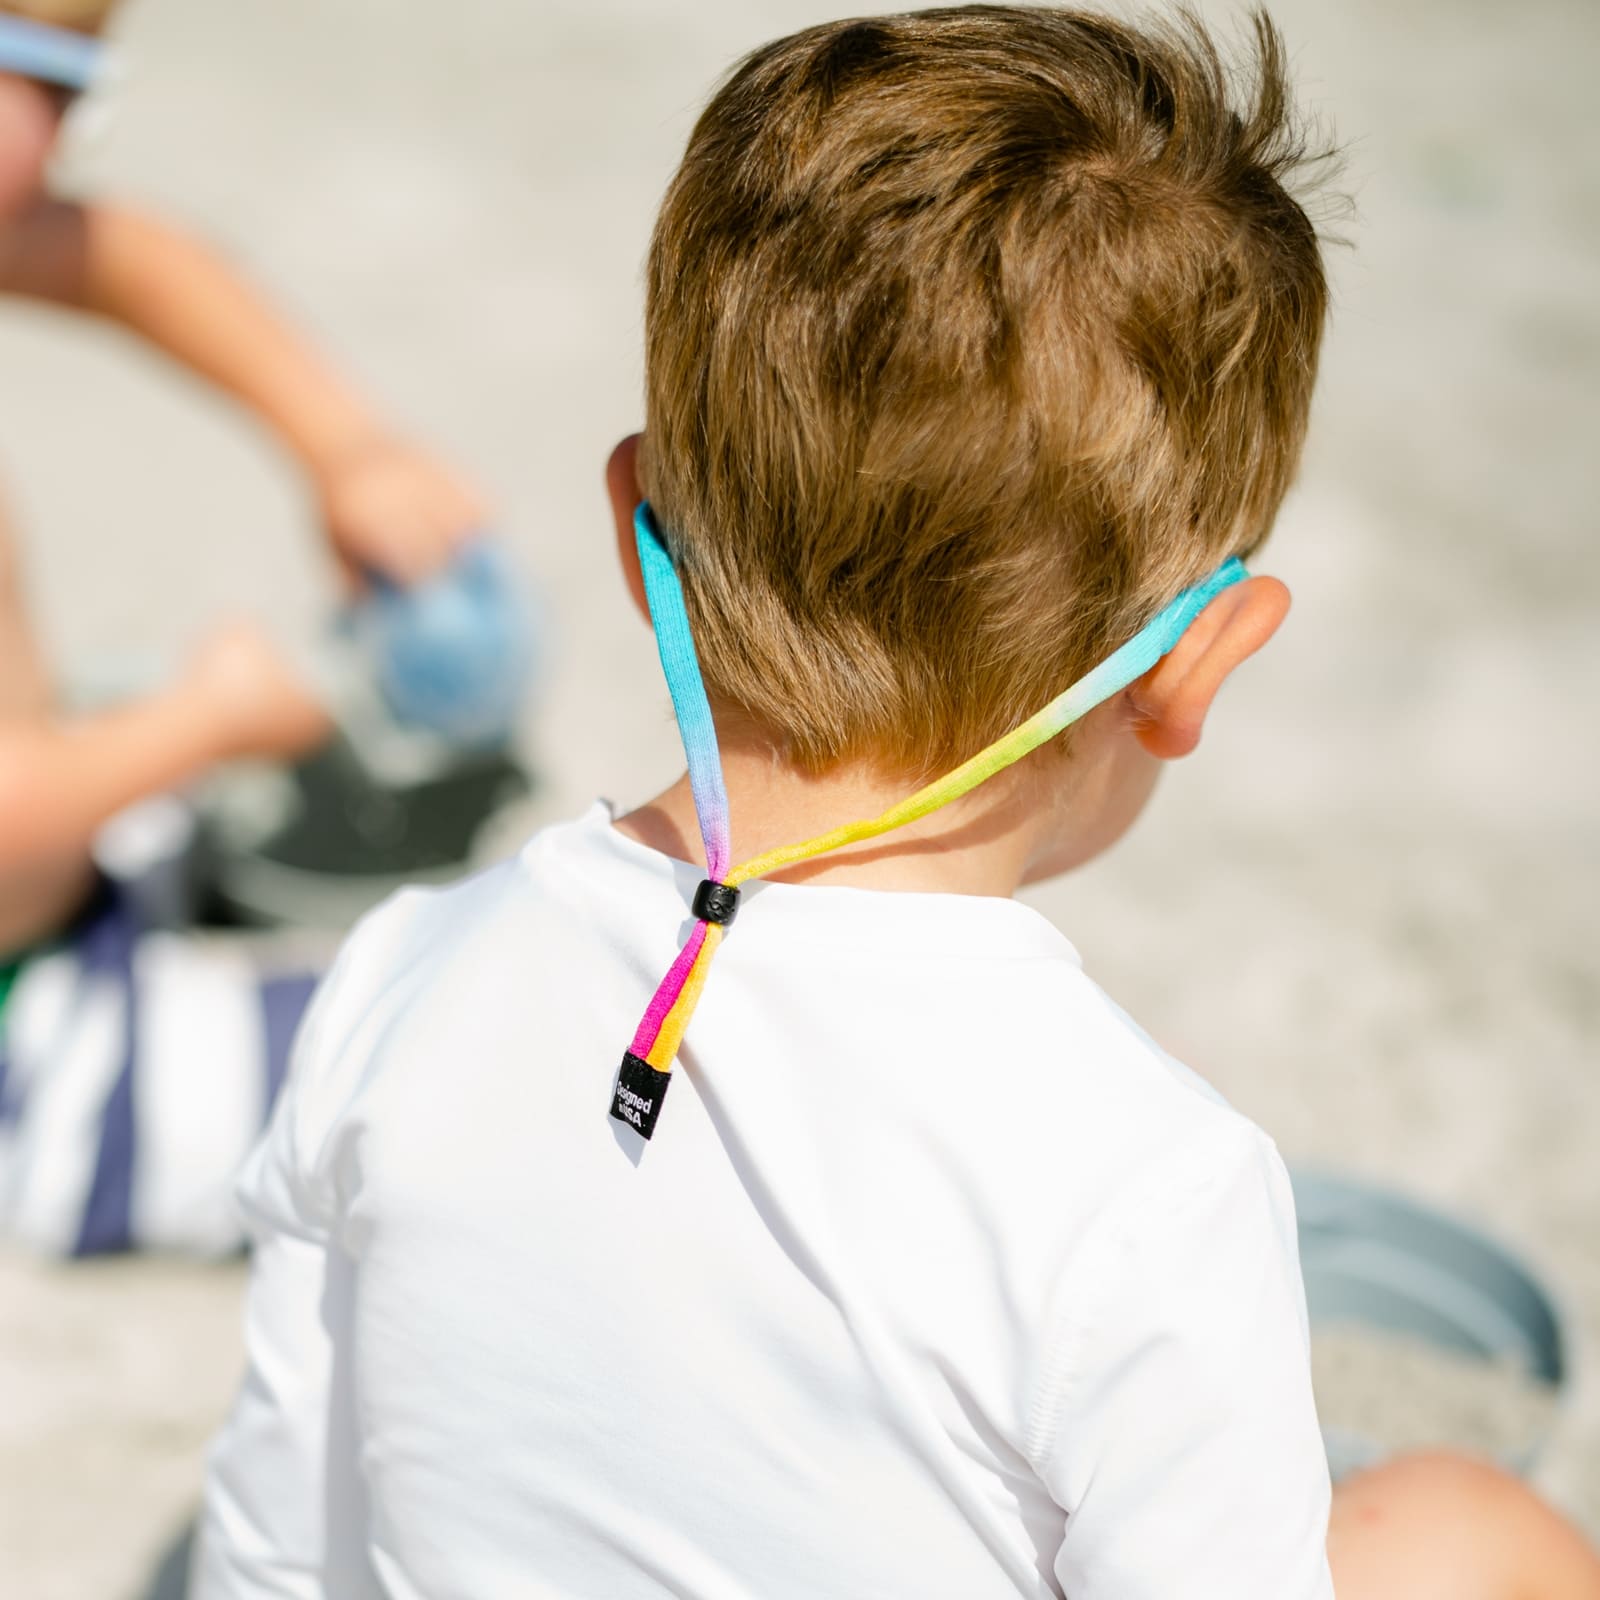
[(133, 1075)]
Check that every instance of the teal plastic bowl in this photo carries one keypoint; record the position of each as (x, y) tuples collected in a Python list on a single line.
[(1375, 1260)]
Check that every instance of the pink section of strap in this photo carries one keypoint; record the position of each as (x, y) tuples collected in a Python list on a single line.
[(667, 993)]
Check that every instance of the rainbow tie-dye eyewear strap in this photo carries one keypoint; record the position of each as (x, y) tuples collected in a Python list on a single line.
[(56, 56), (647, 1064)]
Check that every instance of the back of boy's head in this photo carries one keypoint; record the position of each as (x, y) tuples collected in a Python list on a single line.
[(973, 336)]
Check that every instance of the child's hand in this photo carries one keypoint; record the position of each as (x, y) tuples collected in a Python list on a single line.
[(248, 698), (391, 509)]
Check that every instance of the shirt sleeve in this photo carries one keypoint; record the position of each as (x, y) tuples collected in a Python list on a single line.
[(1179, 1434), (284, 1512)]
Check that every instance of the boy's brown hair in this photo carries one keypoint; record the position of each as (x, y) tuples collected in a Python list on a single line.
[(972, 336)]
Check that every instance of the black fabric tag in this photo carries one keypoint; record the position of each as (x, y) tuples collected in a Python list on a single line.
[(640, 1091)]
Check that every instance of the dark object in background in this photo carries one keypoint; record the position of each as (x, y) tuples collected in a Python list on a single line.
[(318, 844)]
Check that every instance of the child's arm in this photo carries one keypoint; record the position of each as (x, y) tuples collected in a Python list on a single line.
[(387, 506), (280, 1487), (59, 781), (285, 1512), (1178, 1430)]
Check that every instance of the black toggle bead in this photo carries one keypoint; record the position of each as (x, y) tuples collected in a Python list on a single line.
[(716, 902)]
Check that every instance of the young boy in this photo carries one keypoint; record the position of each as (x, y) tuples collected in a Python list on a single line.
[(78, 1053), (978, 342)]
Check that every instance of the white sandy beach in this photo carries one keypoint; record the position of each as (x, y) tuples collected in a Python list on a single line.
[(1365, 909)]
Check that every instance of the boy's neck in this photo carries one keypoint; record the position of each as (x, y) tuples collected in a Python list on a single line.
[(981, 845)]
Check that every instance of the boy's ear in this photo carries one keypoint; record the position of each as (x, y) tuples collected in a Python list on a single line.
[(1169, 703), (622, 487)]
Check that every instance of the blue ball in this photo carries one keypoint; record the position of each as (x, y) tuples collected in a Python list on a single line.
[(452, 654)]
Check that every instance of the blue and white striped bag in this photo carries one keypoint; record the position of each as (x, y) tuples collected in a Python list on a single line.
[(137, 1068)]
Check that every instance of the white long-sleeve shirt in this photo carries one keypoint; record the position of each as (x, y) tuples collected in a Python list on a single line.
[(937, 1279)]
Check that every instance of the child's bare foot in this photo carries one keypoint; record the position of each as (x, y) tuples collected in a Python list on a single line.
[(1446, 1527), (248, 694)]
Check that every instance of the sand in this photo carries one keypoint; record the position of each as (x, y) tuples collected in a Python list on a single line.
[(1364, 909), (1395, 1392)]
